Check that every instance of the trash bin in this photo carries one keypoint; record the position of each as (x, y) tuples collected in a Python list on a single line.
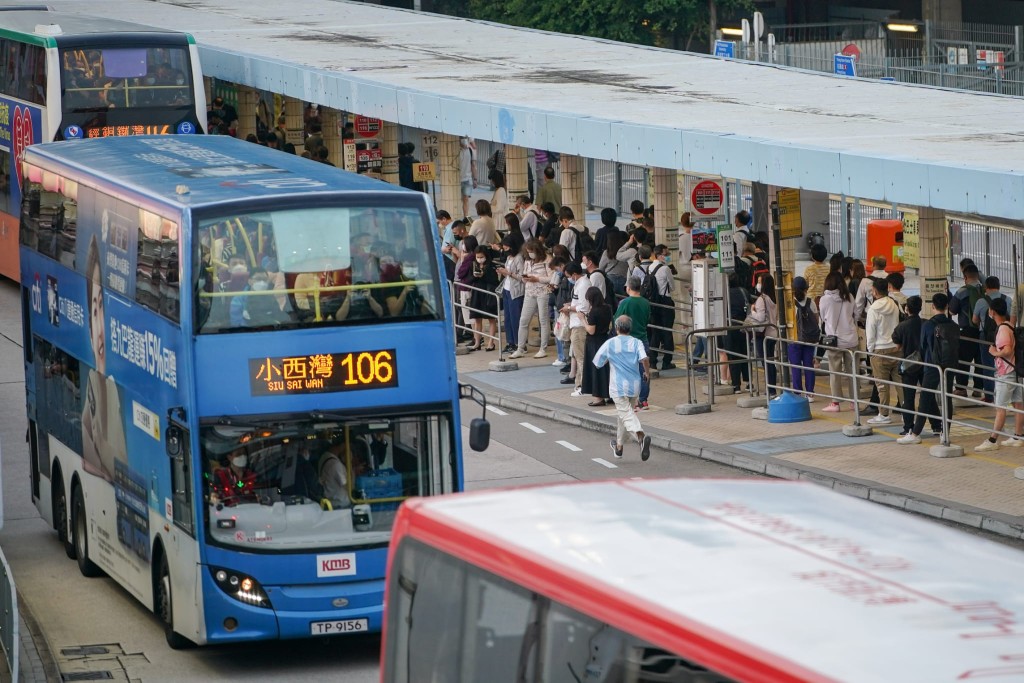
[(885, 238)]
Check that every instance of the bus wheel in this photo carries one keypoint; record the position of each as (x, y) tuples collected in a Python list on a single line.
[(60, 515), (165, 607), (80, 535)]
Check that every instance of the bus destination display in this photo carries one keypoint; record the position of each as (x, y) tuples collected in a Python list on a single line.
[(322, 373)]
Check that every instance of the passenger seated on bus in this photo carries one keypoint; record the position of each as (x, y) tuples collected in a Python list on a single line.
[(255, 309), (360, 304), (407, 300), (334, 473), (365, 260), (300, 475), (330, 301), (235, 483)]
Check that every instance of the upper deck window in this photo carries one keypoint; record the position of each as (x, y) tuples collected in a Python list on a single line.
[(315, 266), (125, 77)]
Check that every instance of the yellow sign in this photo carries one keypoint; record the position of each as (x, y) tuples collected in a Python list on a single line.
[(911, 240), (424, 171), (790, 223)]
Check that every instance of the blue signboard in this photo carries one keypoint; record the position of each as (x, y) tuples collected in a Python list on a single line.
[(725, 48), (845, 65)]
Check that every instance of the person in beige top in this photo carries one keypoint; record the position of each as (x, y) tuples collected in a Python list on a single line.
[(483, 228)]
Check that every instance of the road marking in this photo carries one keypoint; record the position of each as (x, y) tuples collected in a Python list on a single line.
[(636, 478), (532, 428), (609, 465), (496, 411), (571, 447)]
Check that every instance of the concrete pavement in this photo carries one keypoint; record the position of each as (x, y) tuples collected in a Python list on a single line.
[(975, 490)]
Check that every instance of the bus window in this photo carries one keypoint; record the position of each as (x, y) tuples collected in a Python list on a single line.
[(125, 78), (356, 265), (297, 483)]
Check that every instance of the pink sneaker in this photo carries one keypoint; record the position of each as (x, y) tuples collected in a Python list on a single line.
[(832, 407)]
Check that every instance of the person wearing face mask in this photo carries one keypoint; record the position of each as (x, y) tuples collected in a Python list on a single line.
[(764, 311), (360, 304), (235, 483), (252, 308), (483, 305), (536, 276), (513, 287), (407, 300)]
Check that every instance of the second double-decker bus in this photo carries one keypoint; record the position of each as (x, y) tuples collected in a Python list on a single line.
[(693, 581), (68, 76), (238, 364)]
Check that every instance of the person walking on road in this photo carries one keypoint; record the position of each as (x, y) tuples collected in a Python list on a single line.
[(638, 309), (630, 366)]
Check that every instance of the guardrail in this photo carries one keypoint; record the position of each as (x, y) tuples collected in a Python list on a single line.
[(9, 622), (457, 289)]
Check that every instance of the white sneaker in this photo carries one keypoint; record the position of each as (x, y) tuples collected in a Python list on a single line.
[(880, 420), (557, 363), (986, 445), (910, 438), (577, 393), (541, 354), (518, 353), (809, 397), (1013, 442)]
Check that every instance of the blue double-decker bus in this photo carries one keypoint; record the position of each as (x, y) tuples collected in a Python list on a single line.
[(238, 364)]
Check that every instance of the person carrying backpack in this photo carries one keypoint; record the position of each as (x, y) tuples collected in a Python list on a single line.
[(663, 314), (940, 345), (808, 329), (1008, 389), (961, 309), (907, 337), (571, 233), (987, 331)]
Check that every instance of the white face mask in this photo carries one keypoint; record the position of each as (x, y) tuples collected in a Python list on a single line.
[(410, 270), (260, 285), (239, 269), (758, 287), (240, 461), (532, 254)]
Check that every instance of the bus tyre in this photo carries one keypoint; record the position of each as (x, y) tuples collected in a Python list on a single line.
[(60, 515), (80, 535), (165, 607)]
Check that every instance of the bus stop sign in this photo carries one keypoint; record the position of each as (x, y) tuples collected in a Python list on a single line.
[(707, 198)]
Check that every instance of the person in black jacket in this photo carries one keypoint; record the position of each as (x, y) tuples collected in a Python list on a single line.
[(907, 336), (931, 377)]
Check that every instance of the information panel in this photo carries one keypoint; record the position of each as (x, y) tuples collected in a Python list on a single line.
[(323, 373)]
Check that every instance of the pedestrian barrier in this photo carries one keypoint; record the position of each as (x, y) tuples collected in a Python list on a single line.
[(9, 621), (467, 309), (714, 364)]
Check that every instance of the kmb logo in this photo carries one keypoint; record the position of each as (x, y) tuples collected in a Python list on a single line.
[(340, 564)]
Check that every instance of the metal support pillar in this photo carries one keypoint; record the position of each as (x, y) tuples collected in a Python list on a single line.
[(934, 248)]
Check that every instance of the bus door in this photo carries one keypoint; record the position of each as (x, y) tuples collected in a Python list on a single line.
[(180, 548)]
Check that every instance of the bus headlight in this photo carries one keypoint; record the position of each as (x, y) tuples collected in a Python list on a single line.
[(241, 587)]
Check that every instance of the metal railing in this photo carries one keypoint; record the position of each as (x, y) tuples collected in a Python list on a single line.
[(467, 309), (9, 622)]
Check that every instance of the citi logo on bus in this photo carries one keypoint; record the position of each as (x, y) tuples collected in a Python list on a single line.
[(338, 564)]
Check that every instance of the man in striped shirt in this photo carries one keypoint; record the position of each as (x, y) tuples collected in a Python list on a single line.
[(629, 363)]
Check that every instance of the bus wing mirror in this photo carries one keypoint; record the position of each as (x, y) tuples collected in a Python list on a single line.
[(479, 434)]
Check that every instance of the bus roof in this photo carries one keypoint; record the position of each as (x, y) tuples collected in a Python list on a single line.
[(214, 169), (18, 23), (764, 580)]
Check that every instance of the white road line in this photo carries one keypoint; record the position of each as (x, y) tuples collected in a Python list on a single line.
[(496, 411), (602, 461), (636, 477), (571, 447), (533, 428)]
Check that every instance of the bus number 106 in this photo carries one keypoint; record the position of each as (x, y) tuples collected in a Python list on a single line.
[(369, 368)]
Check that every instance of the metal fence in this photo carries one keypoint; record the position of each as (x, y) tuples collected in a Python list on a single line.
[(9, 637)]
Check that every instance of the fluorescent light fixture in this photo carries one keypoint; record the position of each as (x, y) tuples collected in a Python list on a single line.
[(731, 31), (902, 28)]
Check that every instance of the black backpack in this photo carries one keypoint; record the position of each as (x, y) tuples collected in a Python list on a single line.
[(650, 290), (901, 308), (612, 298), (987, 328), (584, 242), (956, 306), (946, 345), (808, 324)]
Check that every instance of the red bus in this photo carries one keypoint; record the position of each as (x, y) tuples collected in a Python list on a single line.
[(693, 581)]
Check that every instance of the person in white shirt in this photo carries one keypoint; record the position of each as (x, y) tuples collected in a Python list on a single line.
[(577, 331), (882, 318), (467, 170), (499, 199), (529, 217), (570, 230), (863, 294), (662, 339)]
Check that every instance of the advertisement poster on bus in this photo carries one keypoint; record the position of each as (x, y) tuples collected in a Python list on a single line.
[(21, 125)]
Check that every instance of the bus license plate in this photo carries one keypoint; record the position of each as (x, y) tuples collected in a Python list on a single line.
[(341, 626)]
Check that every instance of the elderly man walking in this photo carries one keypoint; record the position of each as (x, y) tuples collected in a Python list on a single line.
[(626, 355)]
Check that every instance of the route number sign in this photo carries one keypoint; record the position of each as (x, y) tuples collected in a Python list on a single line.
[(707, 198)]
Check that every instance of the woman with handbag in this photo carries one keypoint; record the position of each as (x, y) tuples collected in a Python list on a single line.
[(512, 287), (484, 305), (765, 312), (840, 336), (536, 277)]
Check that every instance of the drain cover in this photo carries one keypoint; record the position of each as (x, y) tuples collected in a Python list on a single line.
[(87, 676)]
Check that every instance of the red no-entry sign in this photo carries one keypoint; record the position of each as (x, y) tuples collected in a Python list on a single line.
[(367, 127), (707, 198)]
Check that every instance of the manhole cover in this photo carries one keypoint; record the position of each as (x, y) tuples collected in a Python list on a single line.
[(87, 676)]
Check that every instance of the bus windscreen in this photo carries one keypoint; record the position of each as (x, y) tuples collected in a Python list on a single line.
[(95, 79), (307, 267)]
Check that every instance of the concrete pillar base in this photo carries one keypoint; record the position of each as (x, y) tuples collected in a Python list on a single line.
[(857, 430), (752, 402), (720, 390), (701, 408), (950, 451), (759, 413), (503, 365)]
